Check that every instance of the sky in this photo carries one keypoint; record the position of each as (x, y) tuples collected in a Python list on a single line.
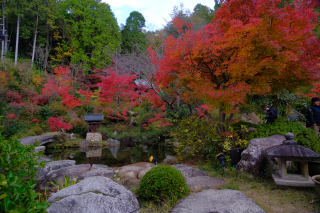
[(154, 11)]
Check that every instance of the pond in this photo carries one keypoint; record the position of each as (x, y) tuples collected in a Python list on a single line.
[(114, 156)]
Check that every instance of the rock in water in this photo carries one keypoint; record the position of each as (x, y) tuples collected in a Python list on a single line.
[(254, 160), (93, 195), (217, 201)]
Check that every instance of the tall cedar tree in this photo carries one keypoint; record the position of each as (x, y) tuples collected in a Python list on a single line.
[(252, 46)]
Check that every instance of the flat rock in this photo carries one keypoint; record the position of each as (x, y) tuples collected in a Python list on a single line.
[(98, 166), (97, 172), (54, 165), (254, 159), (58, 175), (203, 182), (93, 195), (43, 158), (169, 159), (217, 201), (188, 171)]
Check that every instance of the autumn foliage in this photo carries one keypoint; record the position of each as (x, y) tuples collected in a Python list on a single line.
[(57, 123), (251, 47)]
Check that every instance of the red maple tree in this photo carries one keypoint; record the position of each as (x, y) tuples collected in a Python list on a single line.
[(56, 123), (252, 46)]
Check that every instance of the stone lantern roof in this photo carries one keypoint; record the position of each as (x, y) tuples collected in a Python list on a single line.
[(93, 117), (290, 149)]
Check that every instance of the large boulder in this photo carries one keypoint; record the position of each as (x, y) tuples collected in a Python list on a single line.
[(97, 172), (251, 118), (254, 159), (93, 195), (54, 165), (74, 172), (217, 201)]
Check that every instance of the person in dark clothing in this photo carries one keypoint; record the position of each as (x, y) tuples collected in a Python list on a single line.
[(314, 115), (272, 114)]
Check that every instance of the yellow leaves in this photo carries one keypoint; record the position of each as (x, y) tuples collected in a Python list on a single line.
[(37, 80)]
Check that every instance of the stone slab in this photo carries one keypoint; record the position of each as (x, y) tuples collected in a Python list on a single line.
[(217, 201), (98, 166), (54, 165), (97, 172), (203, 182), (296, 183), (30, 140)]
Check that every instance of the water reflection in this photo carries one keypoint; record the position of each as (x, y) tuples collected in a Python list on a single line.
[(125, 153)]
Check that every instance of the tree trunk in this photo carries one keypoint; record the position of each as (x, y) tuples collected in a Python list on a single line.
[(17, 42), (3, 27), (47, 50), (35, 41), (6, 43)]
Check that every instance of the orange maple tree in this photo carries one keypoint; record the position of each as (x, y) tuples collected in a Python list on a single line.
[(252, 46)]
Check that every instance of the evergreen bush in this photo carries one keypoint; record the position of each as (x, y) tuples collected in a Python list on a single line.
[(162, 182), (306, 137), (37, 130)]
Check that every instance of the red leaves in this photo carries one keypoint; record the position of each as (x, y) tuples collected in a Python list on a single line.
[(252, 47), (13, 97), (316, 90), (12, 116), (116, 87), (57, 123), (71, 102), (36, 121)]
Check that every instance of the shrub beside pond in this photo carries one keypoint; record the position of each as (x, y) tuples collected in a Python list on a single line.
[(162, 182)]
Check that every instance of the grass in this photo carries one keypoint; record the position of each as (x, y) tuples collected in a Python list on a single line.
[(267, 194)]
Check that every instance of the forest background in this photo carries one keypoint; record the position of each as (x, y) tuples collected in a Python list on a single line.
[(191, 80)]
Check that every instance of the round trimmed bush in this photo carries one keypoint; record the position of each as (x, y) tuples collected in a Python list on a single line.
[(37, 130), (162, 182)]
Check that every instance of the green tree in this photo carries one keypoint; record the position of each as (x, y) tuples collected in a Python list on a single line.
[(93, 31), (132, 33)]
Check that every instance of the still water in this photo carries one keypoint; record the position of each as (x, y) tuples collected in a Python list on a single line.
[(115, 156)]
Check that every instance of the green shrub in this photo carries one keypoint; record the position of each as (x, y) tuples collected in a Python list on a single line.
[(79, 130), (304, 136), (14, 127), (162, 182), (19, 165), (120, 128), (37, 130), (194, 136)]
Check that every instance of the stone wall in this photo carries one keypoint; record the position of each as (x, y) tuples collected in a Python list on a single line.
[(94, 136)]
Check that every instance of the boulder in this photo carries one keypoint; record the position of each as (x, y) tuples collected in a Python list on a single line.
[(254, 160), (133, 170), (46, 158), (203, 182), (97, 172), (72, 136), (216, 201), (169, 159), (143, 172), (252, 118), (98, 166), (94, 136), (54, 165), (74, 172), (113, 141), (93, 195), (39, 149)]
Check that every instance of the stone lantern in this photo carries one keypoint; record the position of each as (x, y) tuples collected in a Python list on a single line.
[(294, 155), (94, 122)]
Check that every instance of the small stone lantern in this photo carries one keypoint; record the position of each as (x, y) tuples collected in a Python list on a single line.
[(94, 122), (290, 151)]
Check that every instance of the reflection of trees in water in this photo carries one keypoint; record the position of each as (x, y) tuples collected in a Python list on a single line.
[(111, 156)]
